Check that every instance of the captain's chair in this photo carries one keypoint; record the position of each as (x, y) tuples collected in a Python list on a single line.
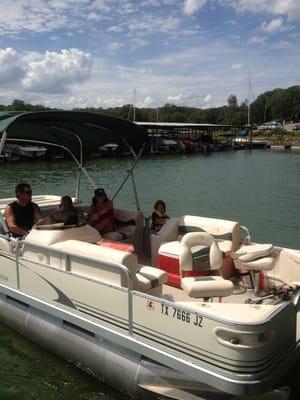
[(253, 259), (199, 259)]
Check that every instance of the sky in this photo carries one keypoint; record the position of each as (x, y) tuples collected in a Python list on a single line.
[(98, 53)]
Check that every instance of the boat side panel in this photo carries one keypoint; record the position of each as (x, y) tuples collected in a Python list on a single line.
[(8, 270), (224, 347), (89, 296)]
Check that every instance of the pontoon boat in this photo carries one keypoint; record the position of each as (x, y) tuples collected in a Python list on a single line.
[(194, 311)]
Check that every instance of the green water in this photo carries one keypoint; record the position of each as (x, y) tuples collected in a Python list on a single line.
[(260, 189)]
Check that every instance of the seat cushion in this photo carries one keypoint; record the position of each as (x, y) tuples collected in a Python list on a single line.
[(117, 245), (224, 245), (144, 283), (170, 249), (150, 277), (113, 236), (156, 275), (253, 252), (207, 286), (262, 264)]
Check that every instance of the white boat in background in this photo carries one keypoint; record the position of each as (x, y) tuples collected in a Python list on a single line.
[(22, 151), (149, 323), (108, 149)]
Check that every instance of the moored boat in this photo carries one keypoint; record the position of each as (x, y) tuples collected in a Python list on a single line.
[(151, 330)]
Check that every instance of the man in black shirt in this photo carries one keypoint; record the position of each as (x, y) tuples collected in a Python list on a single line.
[(22, 213)]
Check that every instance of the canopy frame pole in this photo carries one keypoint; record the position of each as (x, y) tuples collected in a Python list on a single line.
[(78, 185), (135, 192), (3, 140), (80, 166), (130, 175)]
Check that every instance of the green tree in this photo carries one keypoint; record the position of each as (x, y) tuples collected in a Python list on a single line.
[(232, 101)]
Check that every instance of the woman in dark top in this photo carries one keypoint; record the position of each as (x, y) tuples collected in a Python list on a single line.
[(101, 212), (159, 215)]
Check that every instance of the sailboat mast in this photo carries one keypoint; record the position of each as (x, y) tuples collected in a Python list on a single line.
[(132, 106), (249, 127), (249, 94)]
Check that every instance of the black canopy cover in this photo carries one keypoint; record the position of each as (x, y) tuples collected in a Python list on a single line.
[(80, 132)]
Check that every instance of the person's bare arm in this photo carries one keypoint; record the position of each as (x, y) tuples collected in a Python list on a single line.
[(11, 222), (37, 213)]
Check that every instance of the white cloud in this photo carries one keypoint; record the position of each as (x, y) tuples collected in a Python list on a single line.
[(36, 16), (109, 102), (237, 66), (174, 99), (114, 46), (100, 4), (55, 71), (257, 40), (273, 25), (191, 6), (115, 28), (289, 8), (92, 16), (10, 69), (76, 102), (147, 102), (208, 98), (150, 24)]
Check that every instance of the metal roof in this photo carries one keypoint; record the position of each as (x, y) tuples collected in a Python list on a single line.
[(178, 125)]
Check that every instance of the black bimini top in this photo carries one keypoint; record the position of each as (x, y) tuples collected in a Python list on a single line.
[(81, 133)]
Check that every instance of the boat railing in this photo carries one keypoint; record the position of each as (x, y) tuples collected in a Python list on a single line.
[(247, 232), (18, 244)]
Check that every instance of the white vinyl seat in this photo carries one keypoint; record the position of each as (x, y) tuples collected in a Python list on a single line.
[(150, 277), (199, 254), (207, 286), (255, 258)]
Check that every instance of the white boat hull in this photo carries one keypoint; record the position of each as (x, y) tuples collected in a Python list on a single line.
[(97, 352), (84, 320)]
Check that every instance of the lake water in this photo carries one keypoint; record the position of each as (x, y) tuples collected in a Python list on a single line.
[(260, 189)]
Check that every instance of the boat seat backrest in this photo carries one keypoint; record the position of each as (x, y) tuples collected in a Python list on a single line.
[(286, 267), (131, 225), (255, 257), (96, 266), (221, 230), (199, 252), (53, 233), (226, 233)]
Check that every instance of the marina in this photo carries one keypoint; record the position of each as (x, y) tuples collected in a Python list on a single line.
[(234, 387), (167, 138)]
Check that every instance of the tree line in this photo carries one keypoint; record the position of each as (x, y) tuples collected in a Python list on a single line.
[(277, 104)]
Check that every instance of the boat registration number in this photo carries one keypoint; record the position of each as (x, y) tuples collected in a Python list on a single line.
[(184, 316)]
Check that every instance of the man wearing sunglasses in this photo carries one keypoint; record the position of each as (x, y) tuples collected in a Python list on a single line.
[(22, 213)]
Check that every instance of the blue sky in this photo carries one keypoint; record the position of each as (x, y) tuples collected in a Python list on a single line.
[(79, 53)]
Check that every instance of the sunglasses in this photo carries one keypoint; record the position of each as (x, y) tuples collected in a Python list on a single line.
[(27, 191)]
